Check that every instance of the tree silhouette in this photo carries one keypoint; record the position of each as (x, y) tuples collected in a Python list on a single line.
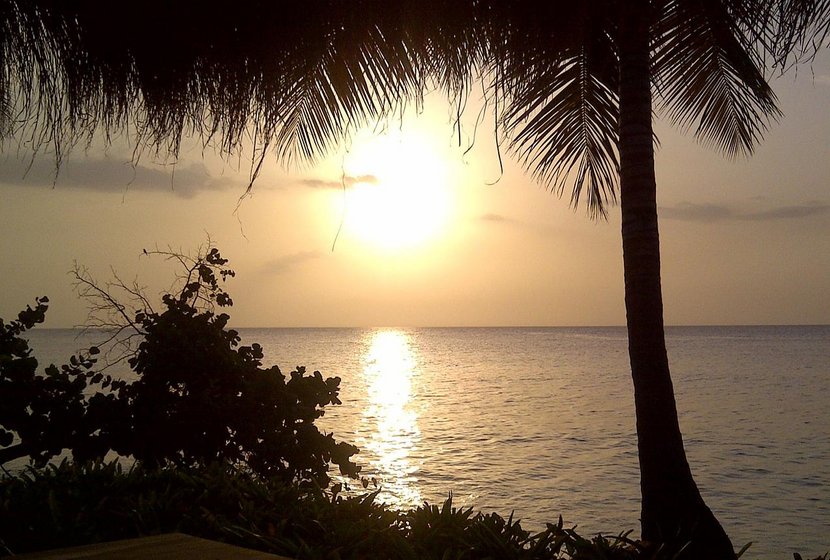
[(574, 84), (47, 412), (197, 396)]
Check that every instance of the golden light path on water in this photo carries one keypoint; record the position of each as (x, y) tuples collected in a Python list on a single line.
[(389, 421)]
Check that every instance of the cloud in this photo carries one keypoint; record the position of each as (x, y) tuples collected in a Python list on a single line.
[(495, 218), (689, 212), (787, 212), (284, 263), (711, 213), (110, 175), (348, 180), (508, 221)]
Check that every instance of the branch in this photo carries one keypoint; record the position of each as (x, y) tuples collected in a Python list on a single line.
[(88, 289)]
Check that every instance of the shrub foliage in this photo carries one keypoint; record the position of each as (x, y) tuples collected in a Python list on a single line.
[(71, 504), (198, 396), (48, 412)]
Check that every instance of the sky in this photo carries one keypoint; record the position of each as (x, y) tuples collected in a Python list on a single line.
[(405, 227)]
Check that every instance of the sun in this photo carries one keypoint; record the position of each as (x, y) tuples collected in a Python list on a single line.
[(399, 194)]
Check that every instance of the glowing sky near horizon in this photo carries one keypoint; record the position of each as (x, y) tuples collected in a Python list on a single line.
[(427, 235)]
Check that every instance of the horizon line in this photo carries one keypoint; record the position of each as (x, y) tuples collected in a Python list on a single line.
[(331, 327)]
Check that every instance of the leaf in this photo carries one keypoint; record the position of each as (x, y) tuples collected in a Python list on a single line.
[(563, 122), (707, 79)]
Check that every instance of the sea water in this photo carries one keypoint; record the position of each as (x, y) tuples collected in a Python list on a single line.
[(540, 421)]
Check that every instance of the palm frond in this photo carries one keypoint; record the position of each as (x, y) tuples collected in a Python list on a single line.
[(563, 127), (707, 80), (796, 29)]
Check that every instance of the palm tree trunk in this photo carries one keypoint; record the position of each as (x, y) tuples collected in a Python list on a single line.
[(672, 508)]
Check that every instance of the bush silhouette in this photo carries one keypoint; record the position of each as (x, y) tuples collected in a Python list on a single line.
[(199, 396)]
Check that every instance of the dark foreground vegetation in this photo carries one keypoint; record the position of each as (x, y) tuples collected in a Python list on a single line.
[(73, 504), (195, 394), (219, 446)]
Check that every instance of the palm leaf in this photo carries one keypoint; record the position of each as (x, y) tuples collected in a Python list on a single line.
[(796, 29), (707, 79), (563, 122), (346, 91)]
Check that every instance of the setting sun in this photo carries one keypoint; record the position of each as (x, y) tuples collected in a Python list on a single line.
[(402, 194)]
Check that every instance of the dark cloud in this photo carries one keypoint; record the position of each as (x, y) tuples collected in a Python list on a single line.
[(285, 263), (348, 180), (710, 213), (111, 175)]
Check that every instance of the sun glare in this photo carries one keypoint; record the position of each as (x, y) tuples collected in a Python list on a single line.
[(389, 417), (401, 195)]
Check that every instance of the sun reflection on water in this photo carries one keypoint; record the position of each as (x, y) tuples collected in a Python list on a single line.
[(389, 422)]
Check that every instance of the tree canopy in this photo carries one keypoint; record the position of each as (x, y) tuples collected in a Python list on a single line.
[(294, 78), (196, 395)]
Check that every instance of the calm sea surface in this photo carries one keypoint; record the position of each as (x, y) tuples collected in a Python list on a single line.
[(541, 420)]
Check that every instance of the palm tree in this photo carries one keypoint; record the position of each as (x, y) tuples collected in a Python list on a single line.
[(575, 85)]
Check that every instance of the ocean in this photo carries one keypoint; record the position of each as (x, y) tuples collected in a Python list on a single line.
[(540, 421)]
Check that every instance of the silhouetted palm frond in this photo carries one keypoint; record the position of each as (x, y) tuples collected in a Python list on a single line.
[(796, 29), (707, 79), (563, 126)]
